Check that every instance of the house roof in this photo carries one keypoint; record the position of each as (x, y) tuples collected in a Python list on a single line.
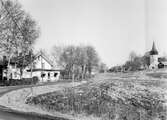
[(44, 57), (15, 61), (154, 51)]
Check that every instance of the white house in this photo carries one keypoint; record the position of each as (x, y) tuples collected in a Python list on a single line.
[(40, 67), (13, 73)]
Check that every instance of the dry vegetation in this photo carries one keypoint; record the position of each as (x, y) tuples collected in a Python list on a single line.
[(109, 98)]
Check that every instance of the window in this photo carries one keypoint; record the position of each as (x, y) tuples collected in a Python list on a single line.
[(55, 74), (43, 75), (48, 75), (10, 75), (15, 74)]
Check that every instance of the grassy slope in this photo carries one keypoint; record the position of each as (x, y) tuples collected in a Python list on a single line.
[(110, 96)]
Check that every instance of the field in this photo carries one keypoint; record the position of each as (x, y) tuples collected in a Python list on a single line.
[(129, 96)]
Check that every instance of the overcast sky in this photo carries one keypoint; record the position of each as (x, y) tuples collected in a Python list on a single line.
[(113, 27)]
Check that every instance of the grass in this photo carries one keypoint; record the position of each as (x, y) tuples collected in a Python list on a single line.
[(158, 75), (108, 99)]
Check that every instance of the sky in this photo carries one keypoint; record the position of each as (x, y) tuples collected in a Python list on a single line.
[(113, 27)]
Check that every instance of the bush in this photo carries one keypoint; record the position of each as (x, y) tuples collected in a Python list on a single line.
[(23, 81), (142, 105)]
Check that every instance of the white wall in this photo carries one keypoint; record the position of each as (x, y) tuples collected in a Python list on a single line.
[(15, 72), (46, 78), (38, 65), (153, 61), (39, 61)]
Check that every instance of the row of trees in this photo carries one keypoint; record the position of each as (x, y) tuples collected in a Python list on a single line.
[(78, 61), (135, 62), (18, 31)]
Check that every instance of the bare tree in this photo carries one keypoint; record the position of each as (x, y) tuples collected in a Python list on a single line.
[(77, 60), (136, 62), (57, 51), (93, 58), (132, 56), (102, 67), (18, 31), (81, 61)]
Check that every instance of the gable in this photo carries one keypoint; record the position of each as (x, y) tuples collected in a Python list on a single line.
[(41, 63), (44, 57)]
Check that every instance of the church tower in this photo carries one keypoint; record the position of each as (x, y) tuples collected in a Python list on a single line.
[(153, 57)]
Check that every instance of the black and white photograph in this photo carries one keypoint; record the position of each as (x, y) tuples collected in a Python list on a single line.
[(83, 59)]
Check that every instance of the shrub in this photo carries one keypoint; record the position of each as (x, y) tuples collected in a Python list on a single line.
[(23, 81), (142, 105)]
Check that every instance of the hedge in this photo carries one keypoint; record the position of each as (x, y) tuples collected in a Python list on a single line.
[(96, 101), (23, 81)]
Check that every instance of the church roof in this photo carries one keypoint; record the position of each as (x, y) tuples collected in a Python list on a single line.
[(154, 51)]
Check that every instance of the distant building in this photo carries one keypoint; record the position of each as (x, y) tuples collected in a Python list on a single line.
[(162, 62), (153, 54), (165, 64)]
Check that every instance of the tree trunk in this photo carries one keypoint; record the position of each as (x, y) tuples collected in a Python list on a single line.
[(82, 76), (73, 74), (8, 74), (90, 71), (21, 69), (21, 73), (84, 72)]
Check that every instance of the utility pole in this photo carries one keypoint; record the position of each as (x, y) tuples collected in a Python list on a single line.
[(31, 70)]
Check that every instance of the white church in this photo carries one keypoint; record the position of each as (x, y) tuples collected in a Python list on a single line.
[(154, 58), (153, 54)]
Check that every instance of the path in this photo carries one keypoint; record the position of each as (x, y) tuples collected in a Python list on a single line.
[(7, 114)]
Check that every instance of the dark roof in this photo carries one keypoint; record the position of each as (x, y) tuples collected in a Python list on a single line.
[(154, 51), (162, 59)]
